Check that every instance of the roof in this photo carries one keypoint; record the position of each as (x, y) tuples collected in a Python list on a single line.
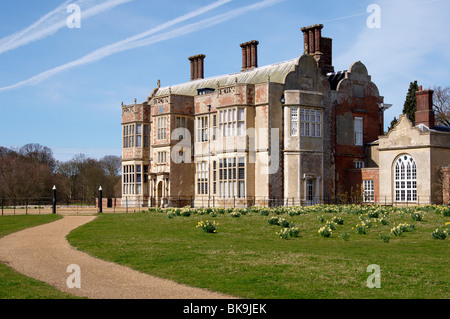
[(334, 78), (277, 73)]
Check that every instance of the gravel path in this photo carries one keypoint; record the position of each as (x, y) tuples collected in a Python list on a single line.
[(44, 253)]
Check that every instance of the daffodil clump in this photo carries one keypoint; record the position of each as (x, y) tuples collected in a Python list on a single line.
[(402, 228), (285, 233), (417, 216), (361, 228), (338, 220), (208, 226), (439, 233), (325, 231)]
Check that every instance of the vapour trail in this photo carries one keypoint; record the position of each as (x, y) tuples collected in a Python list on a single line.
[(55, 20), (140, 40)]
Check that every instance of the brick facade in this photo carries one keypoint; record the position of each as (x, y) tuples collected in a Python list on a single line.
[(291, 133)]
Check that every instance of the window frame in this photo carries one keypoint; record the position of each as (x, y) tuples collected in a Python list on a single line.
[(368, 191), (231, 177), (310, 122), (358, 131), (161, 128), (405, 179)]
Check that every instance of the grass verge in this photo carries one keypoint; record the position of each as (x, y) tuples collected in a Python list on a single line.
[(247, 258), (14, 285)]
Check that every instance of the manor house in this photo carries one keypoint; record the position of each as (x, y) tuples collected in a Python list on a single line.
[(291, 133)]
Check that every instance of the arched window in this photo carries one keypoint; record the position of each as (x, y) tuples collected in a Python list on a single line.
[(405, 182)]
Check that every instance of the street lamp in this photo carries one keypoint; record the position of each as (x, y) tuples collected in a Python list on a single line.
[(54, 200), (100, 199), (210, 133)]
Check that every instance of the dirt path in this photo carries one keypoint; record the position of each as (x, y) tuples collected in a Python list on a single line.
[(44, 253)]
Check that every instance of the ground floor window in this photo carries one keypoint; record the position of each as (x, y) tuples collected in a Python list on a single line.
[(202, 178), (368, 191), (128, 180), (405, 179), (232, 177)]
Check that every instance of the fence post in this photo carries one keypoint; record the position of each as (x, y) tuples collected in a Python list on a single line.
[(26, 207)]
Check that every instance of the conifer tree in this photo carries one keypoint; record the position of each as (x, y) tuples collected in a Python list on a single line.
[(410, 106)]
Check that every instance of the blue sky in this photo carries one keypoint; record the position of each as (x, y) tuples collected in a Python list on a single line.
[(62, 87)]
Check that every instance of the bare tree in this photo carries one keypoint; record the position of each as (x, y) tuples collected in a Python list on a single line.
[(441, 100), (38, 153)]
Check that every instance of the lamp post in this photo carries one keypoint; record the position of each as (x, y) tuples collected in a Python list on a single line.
[(210, 133), (100, 199), (54, 200)]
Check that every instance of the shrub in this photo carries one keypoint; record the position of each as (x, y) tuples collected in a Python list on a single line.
[(208, 226)]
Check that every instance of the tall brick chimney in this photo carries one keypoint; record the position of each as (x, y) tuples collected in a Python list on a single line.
[(319, 47), (249, 55), (424, 108), (197, 67)]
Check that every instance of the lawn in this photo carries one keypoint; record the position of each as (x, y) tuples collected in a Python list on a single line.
[(247, 258), (13, 285)]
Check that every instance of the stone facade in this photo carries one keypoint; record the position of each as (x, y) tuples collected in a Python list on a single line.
[(412, 159), (295, 132)]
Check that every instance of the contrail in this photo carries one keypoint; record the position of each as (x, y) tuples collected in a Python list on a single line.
[(136, 42), (54, 21)]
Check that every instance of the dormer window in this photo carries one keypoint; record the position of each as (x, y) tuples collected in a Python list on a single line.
[(204, 91)]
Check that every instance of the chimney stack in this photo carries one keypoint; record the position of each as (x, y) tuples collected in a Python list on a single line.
[(424, 108), (249, 55), (319, 47), (197, 67)]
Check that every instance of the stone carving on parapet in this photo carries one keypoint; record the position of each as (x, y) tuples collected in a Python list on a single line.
[(155, 90)]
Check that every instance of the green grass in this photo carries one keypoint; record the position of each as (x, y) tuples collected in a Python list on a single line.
[(246, 258), (14, 285)]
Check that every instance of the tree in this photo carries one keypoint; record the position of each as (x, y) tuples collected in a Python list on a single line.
[(441, 103), (393, 122), (37, 153), (111, 164), (410, 105)]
